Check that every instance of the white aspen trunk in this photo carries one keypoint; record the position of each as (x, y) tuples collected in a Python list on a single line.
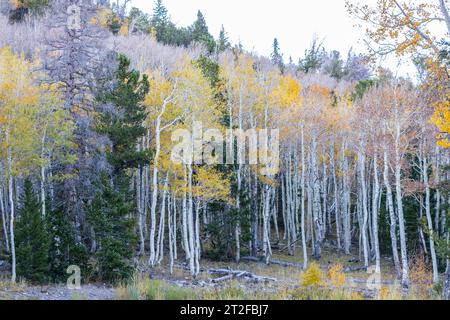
[(171, 239), (336, 199), (158, 130), (296, 194), (346, 202), (290, 215), (197, 239), (11, 217), (439, 216), (266, 226), (185, 221), (393, 220), (174, 227), (4, 222), (429, 219), (152, 257), (43, 197), (160, 248), (284, 206), (365, 213), (375, 212), (401, 219), (191, 226), (237, 231), (317, 212), (419, 226), (51, 188), (325, 214), (303, 177)]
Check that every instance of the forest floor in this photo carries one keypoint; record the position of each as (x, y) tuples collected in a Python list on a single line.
[(272, 281), (288, 278)]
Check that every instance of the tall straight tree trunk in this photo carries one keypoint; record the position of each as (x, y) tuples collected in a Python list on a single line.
[(303, 177), (336, 198), (161, 231), (429, 219), (42, 182), (364, 209), (346, 202), (401, 218), (4, 222), (152, 260), (393, 220), (170, 229), (266, 226), (11, 217), (317, 212), (185, 224), (375, 212)]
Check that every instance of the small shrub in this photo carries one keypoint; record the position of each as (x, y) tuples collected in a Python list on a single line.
[(336, 276), (313, 276), (421, 278)]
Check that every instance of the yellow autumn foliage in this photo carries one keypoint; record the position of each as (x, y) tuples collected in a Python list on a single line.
[(313, 276)]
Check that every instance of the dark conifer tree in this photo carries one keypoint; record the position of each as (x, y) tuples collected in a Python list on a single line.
[(276, 56), (112, 210), (199, 32), (223, 43), (32, 241)]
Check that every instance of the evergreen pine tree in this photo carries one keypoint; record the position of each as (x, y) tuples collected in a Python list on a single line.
[(312, 60), (124, 124), (64, 249), (223, 43), (114, 205), (32, 240), (276, 56), (160, 13), (110, 218), (160, 22), (199, 32)]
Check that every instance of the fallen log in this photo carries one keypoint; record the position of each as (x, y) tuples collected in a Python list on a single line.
[(354, 269), (273, 261), (221, 279), (228, 274)]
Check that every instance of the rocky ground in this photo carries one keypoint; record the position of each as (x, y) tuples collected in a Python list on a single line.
[(88, 292)]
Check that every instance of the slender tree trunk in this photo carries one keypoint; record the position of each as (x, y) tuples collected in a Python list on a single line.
[(401, 218), (429, 219), (11, 217), (365, 213), (4, 222), (152, 257), (393, 220), (346, 202), (303, 177), (375, 212), (161, 231)]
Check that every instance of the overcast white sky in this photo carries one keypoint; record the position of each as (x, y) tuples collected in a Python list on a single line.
[(294, 22)]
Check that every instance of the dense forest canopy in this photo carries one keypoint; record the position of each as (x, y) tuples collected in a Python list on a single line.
[(91, 93)]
